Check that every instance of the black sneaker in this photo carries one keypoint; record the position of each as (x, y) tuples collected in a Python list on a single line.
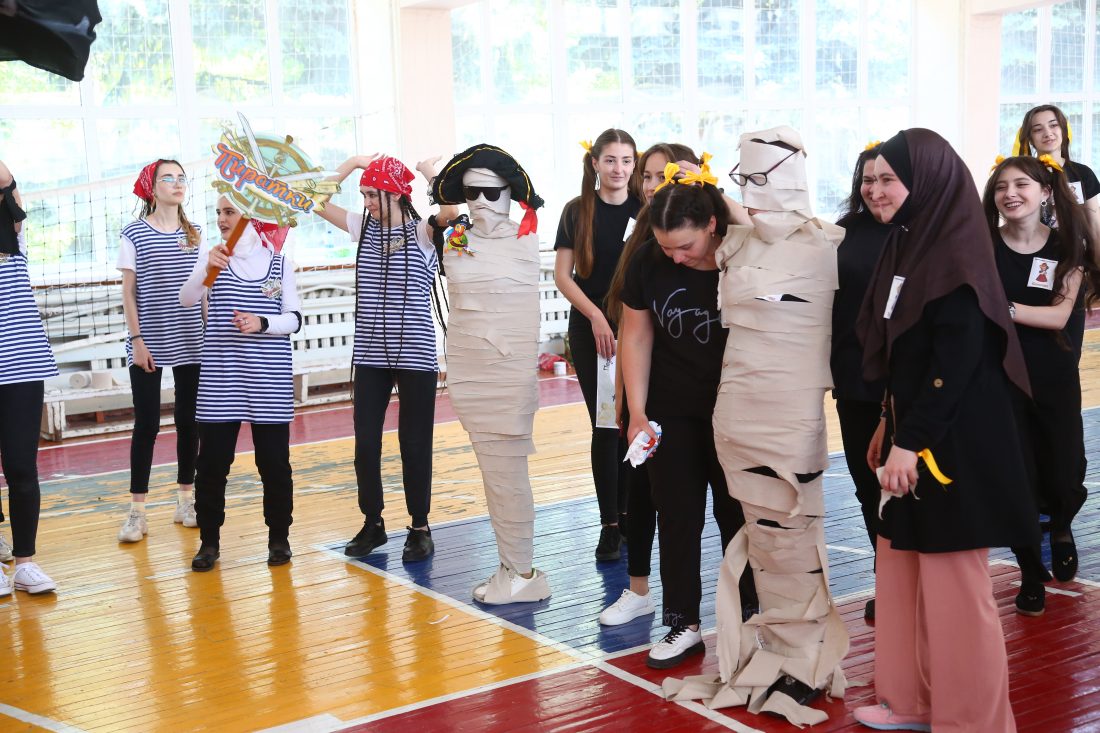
[(608, 547), (418, 545), (278, 552), (204, 559), (797, 690), (369, 538), (1031, 600), (1063, 560)]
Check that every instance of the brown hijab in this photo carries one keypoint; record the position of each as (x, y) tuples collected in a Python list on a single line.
[(941, 243)]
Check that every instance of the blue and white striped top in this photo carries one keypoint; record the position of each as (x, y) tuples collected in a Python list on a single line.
[(161, 263), (246, 377), (393, 307), (25, 354)]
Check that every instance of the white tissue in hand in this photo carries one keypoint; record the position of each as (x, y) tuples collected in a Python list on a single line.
[(643, 446)]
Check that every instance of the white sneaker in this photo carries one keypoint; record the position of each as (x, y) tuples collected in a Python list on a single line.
[(5, 583), (507, 586), (185, 514), (678, 644), (28, 577), (5, 550), (134, 528), (629, 607)]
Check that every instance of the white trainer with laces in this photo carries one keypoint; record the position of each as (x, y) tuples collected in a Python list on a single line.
[(134, 528), (185, 514), (29, 578), (678, 644), (629, 607), (5, 583), (5, 550)]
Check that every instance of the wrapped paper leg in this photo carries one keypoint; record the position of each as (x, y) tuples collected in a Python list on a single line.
[(511, 507)]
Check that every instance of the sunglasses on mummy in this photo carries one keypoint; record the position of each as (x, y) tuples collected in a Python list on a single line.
[(173, 180), (490, 193)]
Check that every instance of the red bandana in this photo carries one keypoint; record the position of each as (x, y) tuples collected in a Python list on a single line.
[(143, 186), (272, 236), (388, 174)]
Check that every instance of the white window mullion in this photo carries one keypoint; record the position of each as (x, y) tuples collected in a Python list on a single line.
[(689, 72), (559, 89), (626, 52), (183, 74)]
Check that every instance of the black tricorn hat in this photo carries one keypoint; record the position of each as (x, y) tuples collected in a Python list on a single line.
[(447, 187)]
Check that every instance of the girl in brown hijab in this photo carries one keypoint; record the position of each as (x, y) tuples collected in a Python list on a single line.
[(936, 325)]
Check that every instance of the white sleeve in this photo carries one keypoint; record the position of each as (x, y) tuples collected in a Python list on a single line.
[(287, 322), (355, 225), (192, 291), (21, 240), (127, 254), (423, 236)]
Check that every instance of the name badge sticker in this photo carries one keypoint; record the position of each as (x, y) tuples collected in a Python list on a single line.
[(629, 228), (1042, 273), (895, 291)]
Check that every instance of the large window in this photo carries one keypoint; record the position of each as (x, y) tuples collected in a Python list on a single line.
[(537, 76), (163, 77), (1049, 56)]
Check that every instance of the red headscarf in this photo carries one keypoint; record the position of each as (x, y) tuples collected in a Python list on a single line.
[(143, 186), (388, 174), (272, 236)]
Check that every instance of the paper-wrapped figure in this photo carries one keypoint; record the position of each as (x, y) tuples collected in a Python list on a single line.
[(492, 273), (776, 294)]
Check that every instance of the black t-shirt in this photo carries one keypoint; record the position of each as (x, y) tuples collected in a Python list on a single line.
[(1029, 279), (610, 229), (1082, 181), (688, 336)]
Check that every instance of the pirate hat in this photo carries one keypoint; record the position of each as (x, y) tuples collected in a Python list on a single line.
[(447, 186)]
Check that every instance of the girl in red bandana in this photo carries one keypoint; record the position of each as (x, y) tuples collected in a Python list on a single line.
[(395, 268), (156, 254)]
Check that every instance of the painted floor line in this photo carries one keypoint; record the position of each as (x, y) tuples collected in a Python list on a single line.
[(39, 720), (585, 658)]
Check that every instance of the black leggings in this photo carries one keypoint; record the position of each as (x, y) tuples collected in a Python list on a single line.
[(219, 447), (145, 387), (680, 470), (415, 424), (20, 420), (858, 421), (608, 447), (642, 524)]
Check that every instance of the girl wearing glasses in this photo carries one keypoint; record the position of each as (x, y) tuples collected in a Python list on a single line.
[(591, 234), (395, 268), (26, 360), (156, 254)]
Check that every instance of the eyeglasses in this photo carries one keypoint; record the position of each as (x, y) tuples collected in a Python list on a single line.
[(491, 193), (173, 180), (756, 179)]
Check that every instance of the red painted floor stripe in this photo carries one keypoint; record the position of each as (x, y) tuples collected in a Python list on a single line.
[(309, 426)]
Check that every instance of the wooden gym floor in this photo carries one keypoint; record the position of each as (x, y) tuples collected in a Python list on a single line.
[(134, 641)]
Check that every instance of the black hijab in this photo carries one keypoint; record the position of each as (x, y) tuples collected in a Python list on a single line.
[(940, 242)]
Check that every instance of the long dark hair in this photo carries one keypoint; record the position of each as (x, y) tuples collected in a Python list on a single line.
[(688, 205), (148, 206), (643, 232), (1075, 242), (583, 253), (854, 207), (1023, 135)]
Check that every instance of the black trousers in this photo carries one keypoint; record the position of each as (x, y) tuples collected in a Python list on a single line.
[(680, 470), (20, 419), (642, 525), (858, 421), (1053, 437), (415, 424), (608, 447), (219, 447), (145, 387)]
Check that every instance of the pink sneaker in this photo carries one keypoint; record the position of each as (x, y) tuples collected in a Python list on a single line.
[(881, 717)]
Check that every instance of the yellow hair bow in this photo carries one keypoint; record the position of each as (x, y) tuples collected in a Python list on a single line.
[(929, 461), (587, 145), (872, 144), (996, 162), (672, 170), (1050, 162)]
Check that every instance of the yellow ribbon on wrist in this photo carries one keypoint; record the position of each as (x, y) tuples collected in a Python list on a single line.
[(934, 469)]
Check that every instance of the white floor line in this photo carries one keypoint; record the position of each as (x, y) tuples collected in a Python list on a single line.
[(40, 721), (852, 550), (583, 658)]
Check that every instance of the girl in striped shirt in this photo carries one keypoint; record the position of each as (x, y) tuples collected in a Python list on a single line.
[(156, 253), (247, 376), (395, 267)]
